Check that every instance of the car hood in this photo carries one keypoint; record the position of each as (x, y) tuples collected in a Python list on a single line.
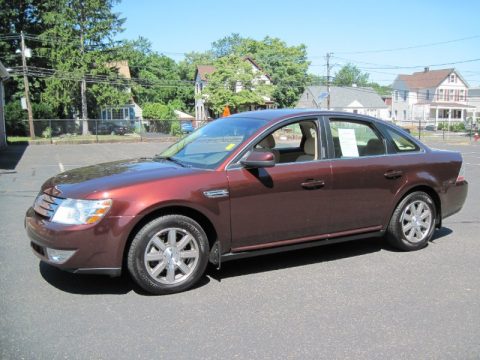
[(87, 181)]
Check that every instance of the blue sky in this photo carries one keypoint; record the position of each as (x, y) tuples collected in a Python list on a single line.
[(341, 27)]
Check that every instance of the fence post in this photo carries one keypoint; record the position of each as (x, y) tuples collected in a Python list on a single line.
[(51, 130), (419, 129), (96, 130)]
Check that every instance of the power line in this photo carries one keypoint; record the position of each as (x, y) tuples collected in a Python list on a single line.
[(408, 47)]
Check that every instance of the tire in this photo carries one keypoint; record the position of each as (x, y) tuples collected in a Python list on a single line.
[(168, 255), (413, 222)]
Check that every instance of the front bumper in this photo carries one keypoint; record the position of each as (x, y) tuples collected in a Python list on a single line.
[(95, 249)]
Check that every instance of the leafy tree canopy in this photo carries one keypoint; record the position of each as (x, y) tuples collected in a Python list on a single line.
[(233, 83), (349, 75)]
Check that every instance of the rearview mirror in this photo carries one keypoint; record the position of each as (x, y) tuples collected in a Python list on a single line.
[(259, 159)]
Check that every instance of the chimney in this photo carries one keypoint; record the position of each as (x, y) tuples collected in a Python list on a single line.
[(426, 69)]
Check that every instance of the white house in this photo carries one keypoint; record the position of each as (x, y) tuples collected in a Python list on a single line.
[(430, 96), (202, 112), (358, 100)]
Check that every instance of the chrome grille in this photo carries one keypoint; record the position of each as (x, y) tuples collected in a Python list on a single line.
[(45, 205)]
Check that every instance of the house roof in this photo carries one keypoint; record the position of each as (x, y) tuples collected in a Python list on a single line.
[(122, 68), (203, 70), (342, 97), (183, 116), (428, 78), (474, 92)]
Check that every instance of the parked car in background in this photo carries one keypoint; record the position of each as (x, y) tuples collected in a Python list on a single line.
[(186, 127), (249, 184), (112, 129)]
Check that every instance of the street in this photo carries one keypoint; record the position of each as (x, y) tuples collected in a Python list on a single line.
[(359, 300)]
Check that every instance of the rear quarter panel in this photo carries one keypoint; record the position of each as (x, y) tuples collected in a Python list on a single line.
[(437, 170)]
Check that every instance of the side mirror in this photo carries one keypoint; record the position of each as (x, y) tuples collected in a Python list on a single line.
[(259, 159)]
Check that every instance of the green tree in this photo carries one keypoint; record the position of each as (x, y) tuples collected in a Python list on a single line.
[(349, 75), (381, 90), (163, 118), (77, 36), (156, 78), (286, 65), (228, 45), (234, 84)]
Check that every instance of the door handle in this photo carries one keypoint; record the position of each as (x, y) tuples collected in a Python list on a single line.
[(312, 184), (393, 174)]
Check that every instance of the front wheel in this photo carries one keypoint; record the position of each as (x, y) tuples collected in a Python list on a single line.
[(413, 222), (168, 255)]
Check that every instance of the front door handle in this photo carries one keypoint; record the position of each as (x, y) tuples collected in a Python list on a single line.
[(312, 184), (393, 174)]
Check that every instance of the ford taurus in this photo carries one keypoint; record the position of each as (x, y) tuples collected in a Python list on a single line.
[(249, 184)]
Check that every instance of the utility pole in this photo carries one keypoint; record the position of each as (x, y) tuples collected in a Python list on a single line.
[(27, 87), (328, 79), (83, 90)]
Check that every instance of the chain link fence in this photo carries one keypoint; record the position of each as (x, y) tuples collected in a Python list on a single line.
[(99, 130), (442, 131)]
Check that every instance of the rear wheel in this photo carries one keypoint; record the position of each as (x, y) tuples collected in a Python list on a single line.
[(168, 255), (413, 222)]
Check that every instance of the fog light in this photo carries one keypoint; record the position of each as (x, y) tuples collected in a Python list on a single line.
[(59, 256)]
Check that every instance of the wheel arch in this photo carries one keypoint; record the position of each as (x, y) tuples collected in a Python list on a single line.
[(429, 191), (196, 215)]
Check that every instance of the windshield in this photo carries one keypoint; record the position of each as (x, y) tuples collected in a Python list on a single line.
[(209, 145)]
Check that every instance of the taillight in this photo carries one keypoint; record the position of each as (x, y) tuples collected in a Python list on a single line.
[(461, 174)]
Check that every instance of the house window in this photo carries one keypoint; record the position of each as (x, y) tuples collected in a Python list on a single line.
[(395, 95), (452, 78), (440, 95), (396, 114), (427, 95), (404, 114), (405, 95), (451, 95), (462, 95)]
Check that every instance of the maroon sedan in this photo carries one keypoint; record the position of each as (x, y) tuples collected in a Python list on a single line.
[(248, 184)]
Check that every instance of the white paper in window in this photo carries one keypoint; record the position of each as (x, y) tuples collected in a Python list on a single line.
[(348, 142)]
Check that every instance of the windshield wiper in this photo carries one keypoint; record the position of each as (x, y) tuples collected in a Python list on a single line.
[(172, 159)]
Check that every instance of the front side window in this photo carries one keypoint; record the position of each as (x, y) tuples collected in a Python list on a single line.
[(296, 142), (355, 139)]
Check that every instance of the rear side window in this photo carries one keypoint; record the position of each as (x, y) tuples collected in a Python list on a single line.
[(355, 139), (401, 142)]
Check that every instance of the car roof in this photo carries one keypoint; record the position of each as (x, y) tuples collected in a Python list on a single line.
[(280, 114)]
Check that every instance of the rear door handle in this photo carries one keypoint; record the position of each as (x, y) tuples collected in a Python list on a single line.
[(312, 184), (393, 174)]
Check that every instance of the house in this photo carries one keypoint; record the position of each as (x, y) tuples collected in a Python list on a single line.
[(202, 112), (474, 102), (131, 111), (430, 96), (358, 100), (3, 135)]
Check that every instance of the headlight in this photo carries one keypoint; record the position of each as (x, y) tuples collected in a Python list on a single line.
[(77, 212)]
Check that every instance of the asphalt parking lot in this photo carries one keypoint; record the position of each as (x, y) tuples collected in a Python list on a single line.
[(359, 300)]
